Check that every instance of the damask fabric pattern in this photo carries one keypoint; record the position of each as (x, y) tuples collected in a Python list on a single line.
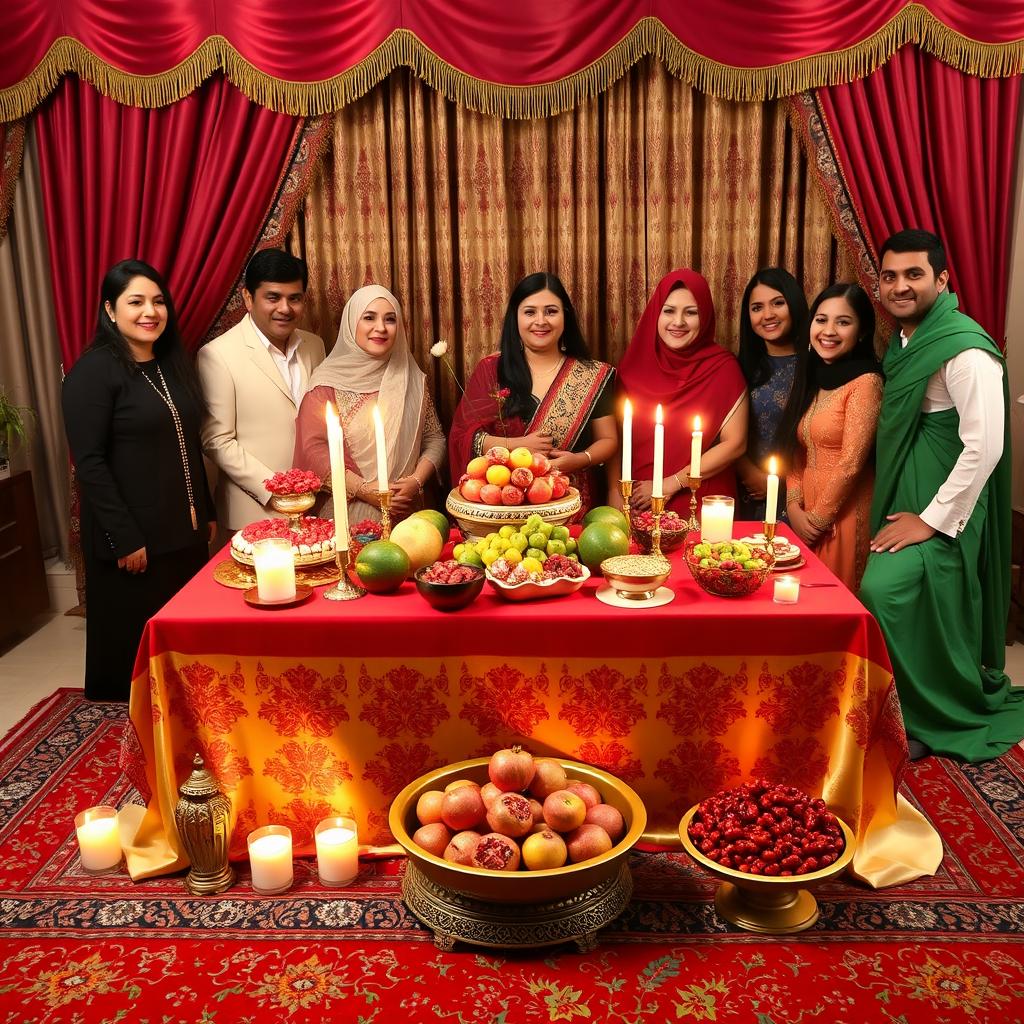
[(946, 949), (450, 208)]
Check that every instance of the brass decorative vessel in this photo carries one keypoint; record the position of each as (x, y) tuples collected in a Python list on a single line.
[(477, 520), (516, 909), (768, 904), (203, 820), (294, 506)]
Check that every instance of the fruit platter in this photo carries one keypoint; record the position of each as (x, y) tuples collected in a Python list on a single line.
[(728, 568), (503, 487), (517, 851), (312, 539), (558, 577), (768, 843)]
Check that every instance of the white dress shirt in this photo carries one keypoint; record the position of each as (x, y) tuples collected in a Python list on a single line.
[(287, 363), (972, 383)]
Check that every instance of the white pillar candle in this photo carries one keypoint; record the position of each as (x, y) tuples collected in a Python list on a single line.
[(99, 842), (716, 515), (787, 590), (336, 450), (270, 857), (772, 492), (659, 456), (696, 442), (627, 441), (275, 569), (337, 851), (382, 451)]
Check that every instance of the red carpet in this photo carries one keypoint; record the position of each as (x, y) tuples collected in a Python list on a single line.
[(75, 948)]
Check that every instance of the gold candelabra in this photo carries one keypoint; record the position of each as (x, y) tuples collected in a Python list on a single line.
[(657, 510), (769, 542), (692, 525), (385, 514), (626, 488), (345, 589)]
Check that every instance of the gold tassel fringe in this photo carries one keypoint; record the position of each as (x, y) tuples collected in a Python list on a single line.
[(12, 150), (913, 24)]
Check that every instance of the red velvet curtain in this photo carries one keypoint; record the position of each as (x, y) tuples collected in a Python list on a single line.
[(921, 144), (185, 187)]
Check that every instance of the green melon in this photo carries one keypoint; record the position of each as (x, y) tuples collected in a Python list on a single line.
[(606, 514), (439, 519), (382, 566), (599, 541)]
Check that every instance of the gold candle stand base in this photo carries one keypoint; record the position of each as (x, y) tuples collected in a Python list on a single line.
[(385, 514), (626, 489), (344, 589), (657, 510), (692, 525)]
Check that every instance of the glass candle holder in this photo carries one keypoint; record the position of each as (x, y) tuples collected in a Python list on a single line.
[(787, 590), (99, 841), (337, 851), (716, 515), (270, 857), (275, 569)]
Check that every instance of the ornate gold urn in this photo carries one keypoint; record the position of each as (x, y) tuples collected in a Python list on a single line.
[(203, 818)]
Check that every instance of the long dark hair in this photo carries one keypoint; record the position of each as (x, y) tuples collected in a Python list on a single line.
[(810, 365), (753, 355), (168, 349), (513, 371)]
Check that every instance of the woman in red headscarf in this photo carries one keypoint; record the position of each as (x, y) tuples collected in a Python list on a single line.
[(673, 360)]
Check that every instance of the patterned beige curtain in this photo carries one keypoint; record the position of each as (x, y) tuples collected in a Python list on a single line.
[(450, 208)]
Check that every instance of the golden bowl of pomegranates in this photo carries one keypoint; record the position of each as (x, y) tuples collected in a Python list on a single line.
[(514, 829)]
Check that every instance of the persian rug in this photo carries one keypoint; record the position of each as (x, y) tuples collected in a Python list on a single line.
[(79, 948)]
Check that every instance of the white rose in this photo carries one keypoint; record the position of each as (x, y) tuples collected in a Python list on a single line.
[(439, 349)]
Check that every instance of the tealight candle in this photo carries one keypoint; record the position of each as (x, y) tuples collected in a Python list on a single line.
[(275, 569), (270, 857), (787, 590), (99, 842), (716, 515), (337, 851)]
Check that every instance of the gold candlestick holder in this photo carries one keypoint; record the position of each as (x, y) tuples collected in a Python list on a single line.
[(657, 510), (692, 524), (769, 542), (626, 489), (345, 589), (385, 514)]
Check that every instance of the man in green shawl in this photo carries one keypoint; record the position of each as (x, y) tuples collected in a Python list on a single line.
[(938, 576)]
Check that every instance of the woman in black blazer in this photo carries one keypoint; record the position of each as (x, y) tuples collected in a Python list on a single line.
[(132, 411)]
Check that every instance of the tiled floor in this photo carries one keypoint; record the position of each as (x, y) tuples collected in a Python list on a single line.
[(54, 655)]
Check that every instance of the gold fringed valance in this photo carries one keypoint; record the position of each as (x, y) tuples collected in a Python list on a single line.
[(913, 24)]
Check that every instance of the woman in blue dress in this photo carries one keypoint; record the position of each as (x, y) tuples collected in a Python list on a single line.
[(772, 312)]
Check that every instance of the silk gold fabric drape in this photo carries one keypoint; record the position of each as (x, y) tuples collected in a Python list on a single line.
[(450, 208)]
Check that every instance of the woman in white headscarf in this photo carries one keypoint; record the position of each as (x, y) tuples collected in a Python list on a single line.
[(369, 365)]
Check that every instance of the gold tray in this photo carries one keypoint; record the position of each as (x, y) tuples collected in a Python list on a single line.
[(230, 573)]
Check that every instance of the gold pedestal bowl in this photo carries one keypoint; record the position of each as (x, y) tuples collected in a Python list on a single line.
[(636, 577), (516, 909), (477, 520), (770, 905)]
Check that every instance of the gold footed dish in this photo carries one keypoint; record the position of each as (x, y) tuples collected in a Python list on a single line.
[(294, 506), (769, 905)]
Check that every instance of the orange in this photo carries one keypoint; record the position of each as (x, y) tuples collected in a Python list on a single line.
[(498, 475)]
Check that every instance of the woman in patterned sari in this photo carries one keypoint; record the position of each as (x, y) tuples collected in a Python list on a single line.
[(674, 361), (371, 364), (541, 391)]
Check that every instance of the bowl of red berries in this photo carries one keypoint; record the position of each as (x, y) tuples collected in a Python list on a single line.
[(448, 585), (673, 531), (768, 844)]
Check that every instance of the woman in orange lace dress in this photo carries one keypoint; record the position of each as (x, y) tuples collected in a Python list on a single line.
[(830, 422)]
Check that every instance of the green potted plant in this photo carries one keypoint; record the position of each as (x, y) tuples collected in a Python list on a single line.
[(14, 430)]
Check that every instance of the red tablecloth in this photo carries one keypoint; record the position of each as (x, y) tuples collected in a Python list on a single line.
[(333, 707)]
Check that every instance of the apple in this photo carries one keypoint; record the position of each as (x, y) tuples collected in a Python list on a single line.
[(520, 458), (477, 467), (497, 456), (539, 491), (490, 494), (540, 464), (471, 489), (512, 495)]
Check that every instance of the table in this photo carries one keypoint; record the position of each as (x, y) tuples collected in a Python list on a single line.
[(331, 708)]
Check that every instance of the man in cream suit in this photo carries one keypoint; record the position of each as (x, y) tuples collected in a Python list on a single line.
[(253, 378)]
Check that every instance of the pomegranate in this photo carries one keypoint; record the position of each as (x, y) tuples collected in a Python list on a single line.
[(608, 818), (463, 808), (433, 838), (490, 793), (564, 811), (587, 841), (497, 853), (428, 807), (462, 847), (498, 455), (510, 815), (544, 850), (586, 792), (549, 778), (459, 783), (538, 814), (511, 770)]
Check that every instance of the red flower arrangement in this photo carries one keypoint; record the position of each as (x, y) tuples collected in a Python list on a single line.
[(294, 481), (311, 530)]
